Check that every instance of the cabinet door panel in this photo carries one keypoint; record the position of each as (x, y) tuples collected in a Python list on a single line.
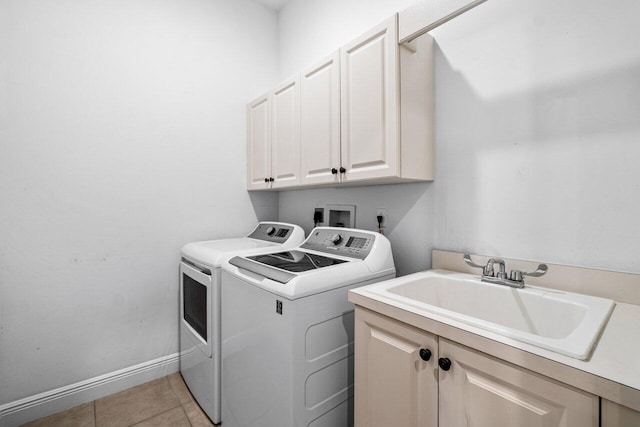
[(614, 415), (369, 96), (286, 134), (320, 121), (482, 391), (258, 143), (393, 385)]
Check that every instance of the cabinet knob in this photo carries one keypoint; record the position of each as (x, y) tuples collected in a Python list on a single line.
[(444, 363), (342, 170), (425, 354), (271, 179), (266, 180), (334, 171)]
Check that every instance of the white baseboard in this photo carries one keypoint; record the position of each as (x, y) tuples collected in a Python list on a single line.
[(47, 403)]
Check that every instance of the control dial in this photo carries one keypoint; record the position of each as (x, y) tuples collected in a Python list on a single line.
[(336, 239), (270, 231)]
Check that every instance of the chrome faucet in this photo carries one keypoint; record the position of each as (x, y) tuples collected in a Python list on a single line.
[(502, 274), (515, 279)]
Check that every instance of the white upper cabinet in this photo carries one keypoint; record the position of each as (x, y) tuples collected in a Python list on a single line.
[(258, 143), (370, 103), (387, 107), (273, 138), (285, 143), (320, 122), (364, 115)]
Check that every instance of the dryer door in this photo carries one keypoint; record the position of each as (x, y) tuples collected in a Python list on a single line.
[(195, 309)]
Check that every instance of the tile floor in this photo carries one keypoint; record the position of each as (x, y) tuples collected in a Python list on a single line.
[(163, 402)]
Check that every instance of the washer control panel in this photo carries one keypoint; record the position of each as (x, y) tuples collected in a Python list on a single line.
[(272, 232), (346, 242)]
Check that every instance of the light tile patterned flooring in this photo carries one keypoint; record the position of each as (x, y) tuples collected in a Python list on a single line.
[(163, 402)]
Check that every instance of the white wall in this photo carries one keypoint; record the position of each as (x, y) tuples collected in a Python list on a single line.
[(538, 123), (309, 30), (537, 130), (122, 137)]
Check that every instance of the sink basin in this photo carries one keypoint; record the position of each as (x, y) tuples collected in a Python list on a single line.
[(563, 322)]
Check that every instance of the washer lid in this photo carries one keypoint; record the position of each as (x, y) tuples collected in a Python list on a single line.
[(267, 236), (296, 261)]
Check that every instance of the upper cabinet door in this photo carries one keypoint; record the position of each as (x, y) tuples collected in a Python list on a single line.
[(370, 104), (285, 144), (258, 143), (320, 121)]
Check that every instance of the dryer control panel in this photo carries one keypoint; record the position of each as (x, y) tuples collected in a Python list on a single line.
[(341, 241), (272, 232)]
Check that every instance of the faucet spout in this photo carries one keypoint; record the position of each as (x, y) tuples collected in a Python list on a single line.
[(489, 270)]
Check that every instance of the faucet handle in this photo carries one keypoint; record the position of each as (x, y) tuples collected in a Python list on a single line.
[(467, 259), (486, 270), (517, 275), (541, 270)]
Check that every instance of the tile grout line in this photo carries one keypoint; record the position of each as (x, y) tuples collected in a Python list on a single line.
[(186, 416), (178, 404), (178, 398), (153, 416), (166, 378)]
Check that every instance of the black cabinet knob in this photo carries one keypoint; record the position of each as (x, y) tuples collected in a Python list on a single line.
[(425, 354), (334, 171), (342, 170), (444, 363), (266, 180), (271, 179)]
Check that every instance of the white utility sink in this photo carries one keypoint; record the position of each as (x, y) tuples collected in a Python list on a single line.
[(563, 322)]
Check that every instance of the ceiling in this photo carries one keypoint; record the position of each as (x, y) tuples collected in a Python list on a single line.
[(274, 4)]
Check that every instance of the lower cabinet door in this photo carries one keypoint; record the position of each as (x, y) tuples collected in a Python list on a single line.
[(394, 385), (614, 415), (481, 391)]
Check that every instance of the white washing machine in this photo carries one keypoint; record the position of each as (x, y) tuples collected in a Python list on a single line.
[(287, 329), (200, 304)]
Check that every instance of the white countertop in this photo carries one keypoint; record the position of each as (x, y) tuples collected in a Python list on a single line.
[(612, 371)]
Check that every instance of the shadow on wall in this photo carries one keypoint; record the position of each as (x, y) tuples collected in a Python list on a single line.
[(265, 205), (584, 105), (517, 173)]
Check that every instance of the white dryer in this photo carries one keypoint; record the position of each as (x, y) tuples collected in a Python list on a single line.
[(200, 304), (287, 329)]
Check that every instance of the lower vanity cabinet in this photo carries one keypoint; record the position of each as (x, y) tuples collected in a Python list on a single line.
[(396, 373), (457, 386), (614, 415), (481, 390)]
